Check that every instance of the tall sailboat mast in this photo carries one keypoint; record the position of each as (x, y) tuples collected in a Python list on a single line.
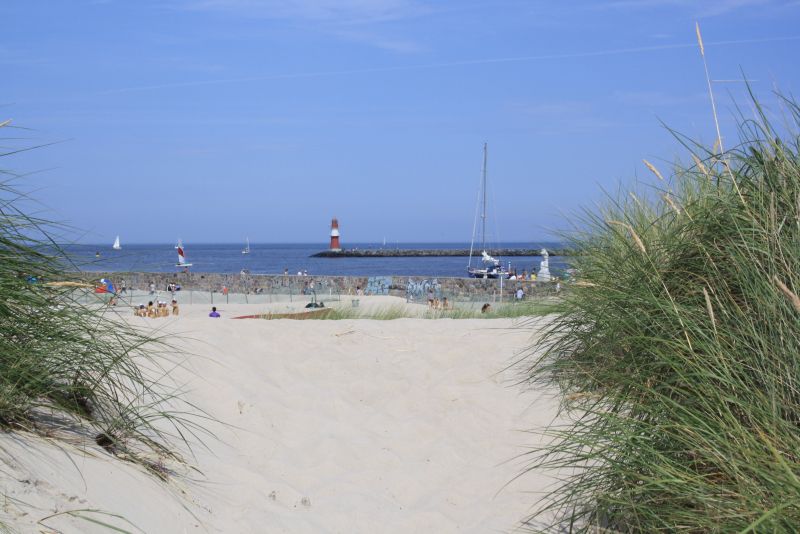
[(483, 211)]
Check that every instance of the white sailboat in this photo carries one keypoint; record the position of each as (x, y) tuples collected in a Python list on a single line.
[(246, 249), (116, 245), (492, 267), (182, 257), (179, 245)]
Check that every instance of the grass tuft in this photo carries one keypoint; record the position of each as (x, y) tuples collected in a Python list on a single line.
[(528, 308)]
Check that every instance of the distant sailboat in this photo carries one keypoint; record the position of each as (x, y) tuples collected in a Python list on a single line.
[(247, 248), (181, 257), (116, 245)]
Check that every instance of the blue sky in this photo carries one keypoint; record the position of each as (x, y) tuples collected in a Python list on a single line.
[(214, 120)]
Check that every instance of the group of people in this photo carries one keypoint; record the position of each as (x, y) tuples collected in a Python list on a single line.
[(159, 309), (523, 276), (435, 303), (172, 287)]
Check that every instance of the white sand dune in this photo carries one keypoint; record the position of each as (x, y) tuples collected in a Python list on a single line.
[(410, 425)]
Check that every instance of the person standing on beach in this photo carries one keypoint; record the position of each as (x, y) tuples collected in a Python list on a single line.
[(152, 288), (123, 287)]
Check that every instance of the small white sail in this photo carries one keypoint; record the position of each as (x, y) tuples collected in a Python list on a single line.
[(182, 258), (247, 248), (489, 259), (116, 245)]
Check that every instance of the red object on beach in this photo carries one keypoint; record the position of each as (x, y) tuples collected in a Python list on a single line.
[(100, 290)]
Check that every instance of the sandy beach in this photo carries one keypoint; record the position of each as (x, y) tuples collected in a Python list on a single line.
[(321, 426)]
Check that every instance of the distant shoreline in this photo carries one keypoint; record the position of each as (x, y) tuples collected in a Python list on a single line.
[(418, 253)]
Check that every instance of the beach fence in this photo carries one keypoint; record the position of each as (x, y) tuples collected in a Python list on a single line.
[(215, 288), (134, 297)]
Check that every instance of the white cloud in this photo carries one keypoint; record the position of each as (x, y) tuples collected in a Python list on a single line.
[(706, 8), (367, 22), (330, 11)]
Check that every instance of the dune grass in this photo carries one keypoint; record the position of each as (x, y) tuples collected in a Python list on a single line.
[(678, 353), (74, 371), (530, 308)]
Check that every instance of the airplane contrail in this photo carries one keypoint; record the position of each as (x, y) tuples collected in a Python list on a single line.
[(597, 53)]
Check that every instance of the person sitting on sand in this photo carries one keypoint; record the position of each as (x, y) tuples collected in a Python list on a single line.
[(151, 311), (486, 308), (175, 309), (445, 304), (139, 311), (214, 312), (436, 303)]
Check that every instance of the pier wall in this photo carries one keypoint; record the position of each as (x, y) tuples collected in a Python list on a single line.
[(402, 286)]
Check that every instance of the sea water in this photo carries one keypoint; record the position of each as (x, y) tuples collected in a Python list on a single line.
[(271, 258)]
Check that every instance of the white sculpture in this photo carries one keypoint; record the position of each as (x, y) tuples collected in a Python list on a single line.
[(544, 268)]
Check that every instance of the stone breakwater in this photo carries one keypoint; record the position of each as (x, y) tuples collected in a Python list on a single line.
[(420, 253), (403, 286)]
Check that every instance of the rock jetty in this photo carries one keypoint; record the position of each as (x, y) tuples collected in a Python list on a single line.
[(400, 253)]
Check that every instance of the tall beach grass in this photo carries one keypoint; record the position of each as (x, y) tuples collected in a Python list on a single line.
[(678, 353), (71, 371)]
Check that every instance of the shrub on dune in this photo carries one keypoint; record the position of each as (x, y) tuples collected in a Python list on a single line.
[(678, 353)]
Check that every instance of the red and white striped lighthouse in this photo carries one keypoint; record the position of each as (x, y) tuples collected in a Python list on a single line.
[(335, 246)]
